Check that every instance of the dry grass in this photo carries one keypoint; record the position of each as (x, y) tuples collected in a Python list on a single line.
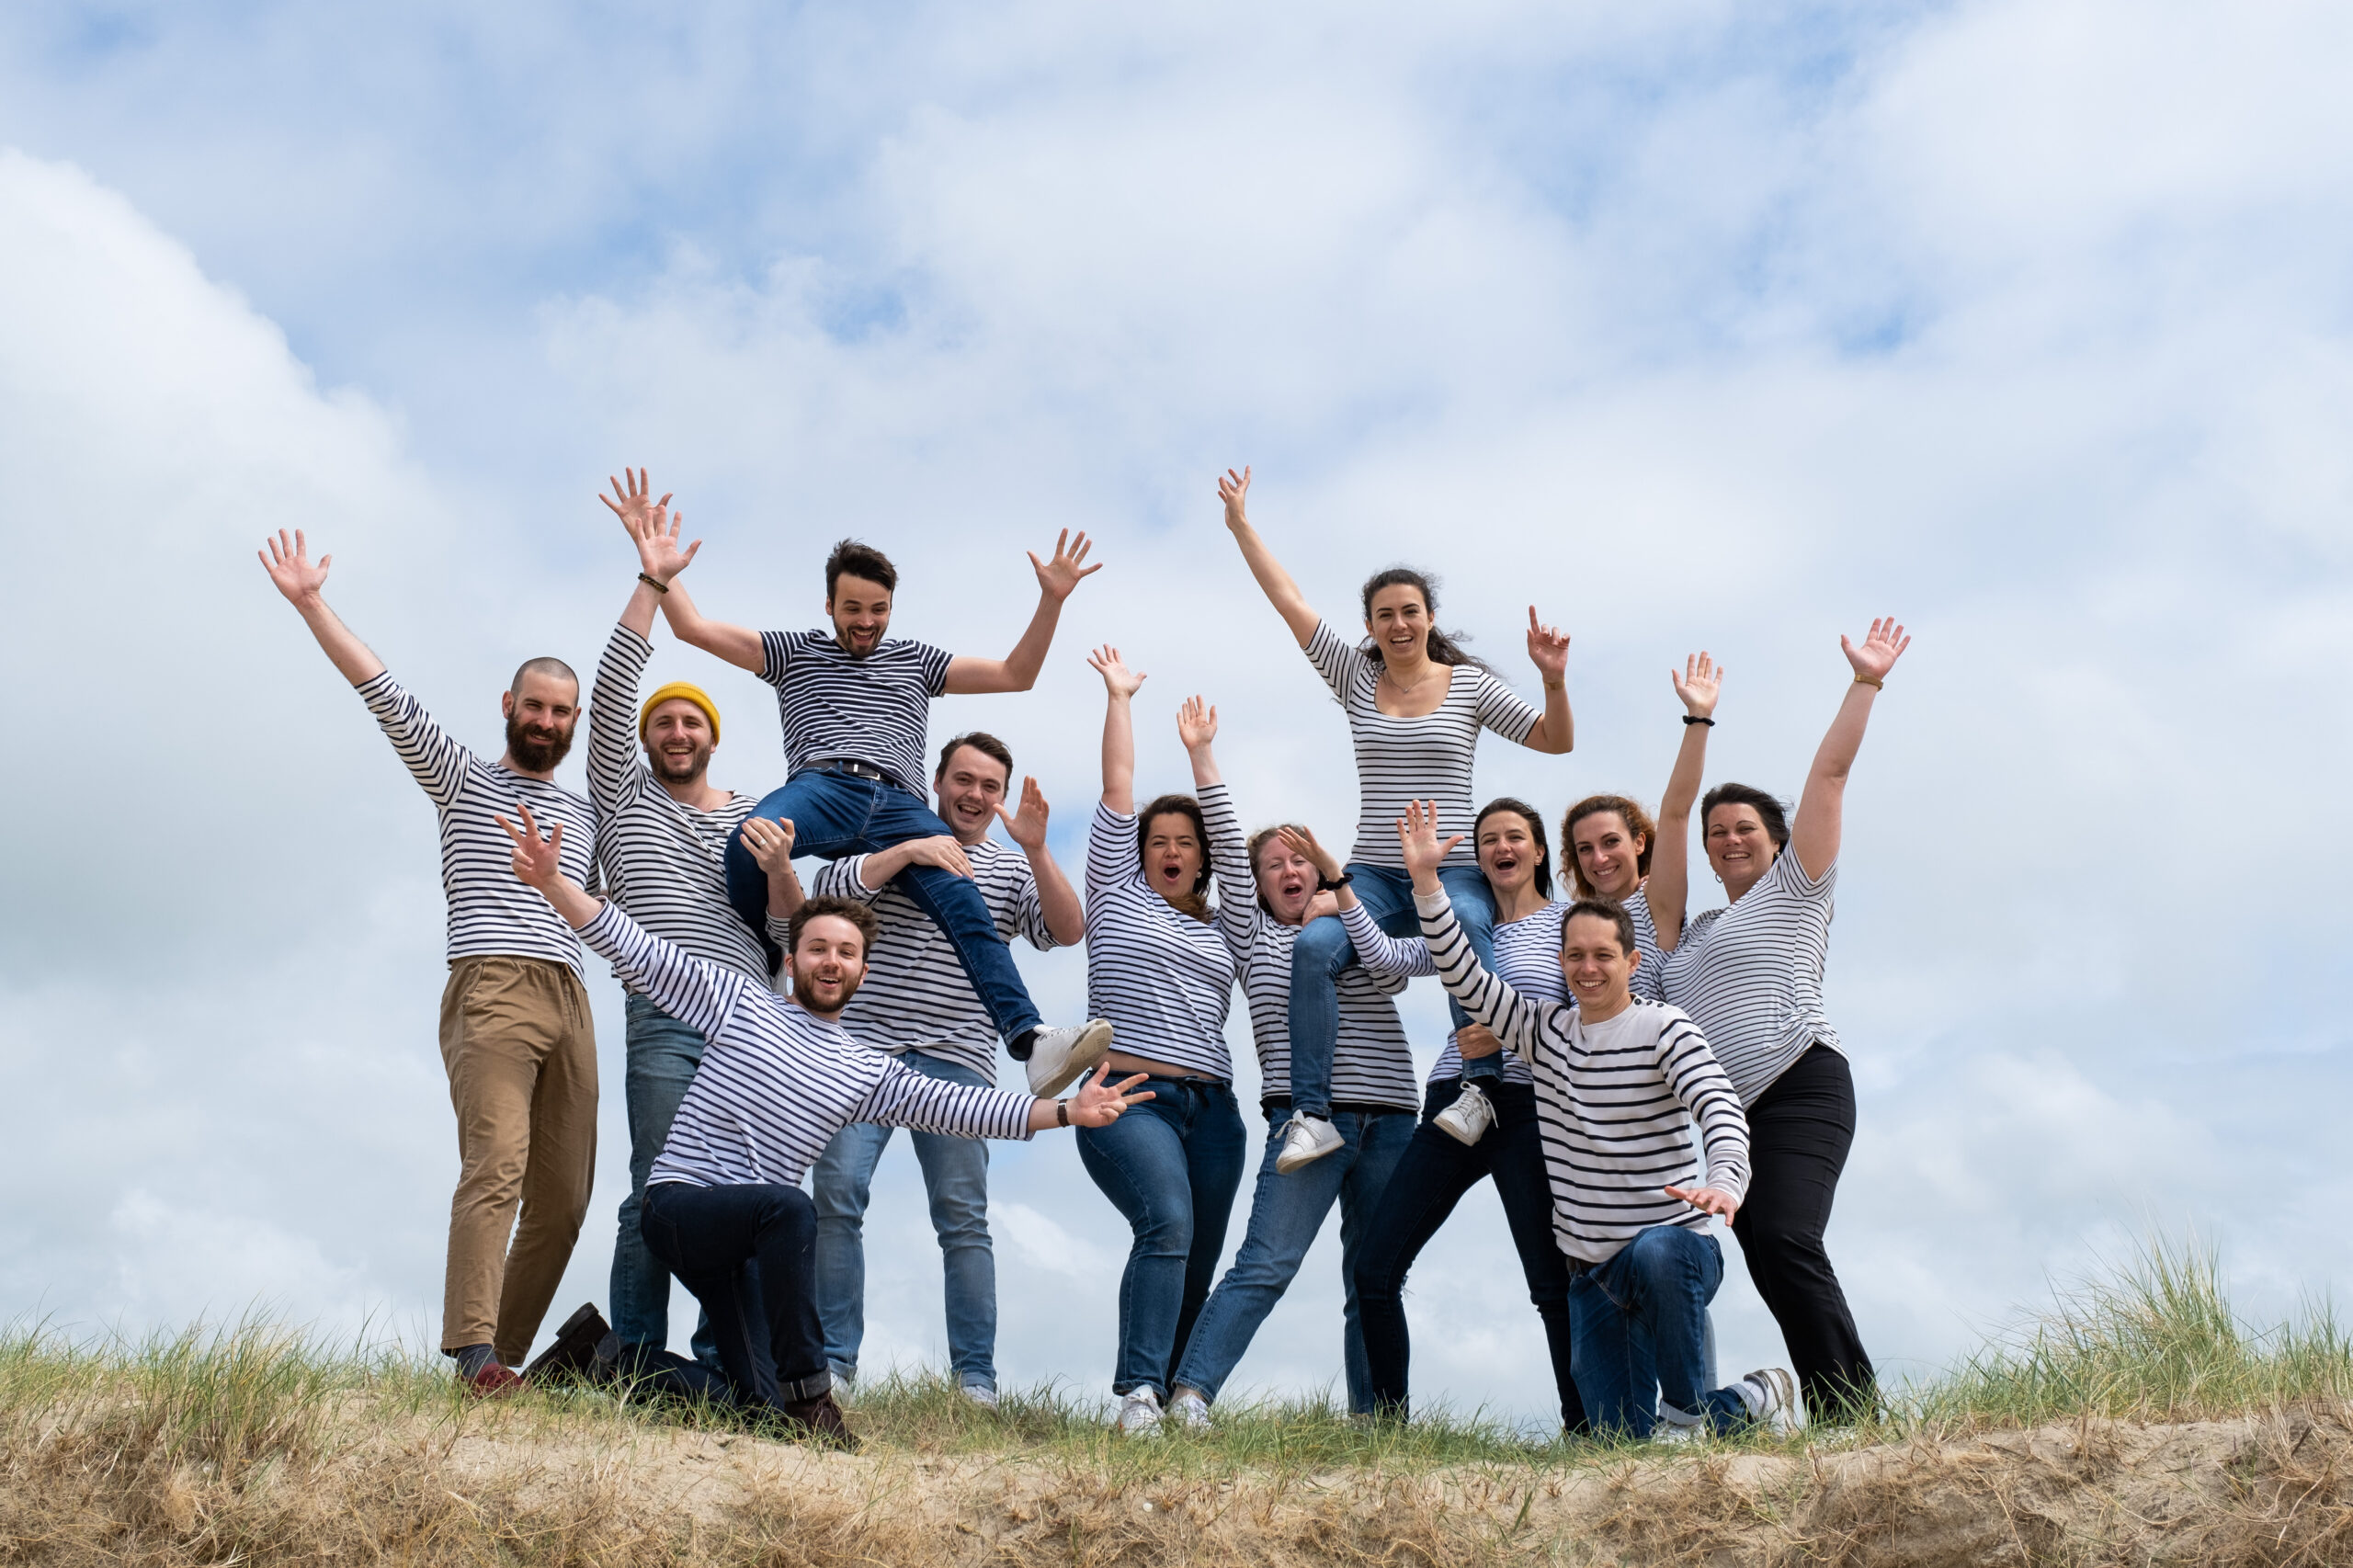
[(2137, 1423)]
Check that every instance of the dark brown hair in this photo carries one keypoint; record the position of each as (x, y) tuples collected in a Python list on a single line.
[(1196, 904), (1769, 810), (859, 560), (980, 741), (1638, 822), (1602, 909), (1258, 842), (1520, 808), (1443, 649), (848, 909)]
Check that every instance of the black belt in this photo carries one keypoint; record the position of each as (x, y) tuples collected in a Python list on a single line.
[(857, 769)]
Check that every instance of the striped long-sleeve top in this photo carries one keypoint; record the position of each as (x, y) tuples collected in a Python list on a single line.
[(1617, 1101), (777, 1082), (489, 911), (663, 862), (1164, 979), (917, 996), (1372, 1064)]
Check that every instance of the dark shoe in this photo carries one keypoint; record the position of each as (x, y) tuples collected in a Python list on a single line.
[(493, 1382), (574, 1354), (819, 1421)]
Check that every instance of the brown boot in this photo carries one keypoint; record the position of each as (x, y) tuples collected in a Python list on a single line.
[(819, 1421)]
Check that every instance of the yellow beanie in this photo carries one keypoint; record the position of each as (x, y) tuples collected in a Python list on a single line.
[(693, 694)]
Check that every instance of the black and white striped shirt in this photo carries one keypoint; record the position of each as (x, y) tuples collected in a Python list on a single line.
[(663, 862), (490, 912), (875, 707), (1372, 1064), (916, 996), (1617, 1101), (777, 1083), (1164, 979), (1415, 759), (1751, 973)]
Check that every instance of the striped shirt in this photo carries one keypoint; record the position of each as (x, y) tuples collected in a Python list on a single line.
[(875, 707), (1751, 973), (777, 1082), (663, 860), (1372, 1064), (1164, 979), (916, 996), (1616, 1101), (1426, 758), (491, 910)]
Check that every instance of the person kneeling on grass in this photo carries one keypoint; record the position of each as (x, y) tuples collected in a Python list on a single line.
[(1619, 1085), (780, 1076)]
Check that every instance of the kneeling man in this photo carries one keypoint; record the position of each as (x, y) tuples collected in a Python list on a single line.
[(723, 1207), (1620, 1085)]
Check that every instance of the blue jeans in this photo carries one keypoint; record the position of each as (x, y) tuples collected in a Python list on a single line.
[(663, 1056), (1638, 1329), (1286, 1212), (833, 815), (1171, 1166), (1323, 950), (956, 1179), (746, 1252)]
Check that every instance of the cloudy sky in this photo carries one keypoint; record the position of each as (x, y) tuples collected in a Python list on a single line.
[(1697, 324)]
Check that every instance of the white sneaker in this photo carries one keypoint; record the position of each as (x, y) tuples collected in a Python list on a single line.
[(1139, 1416), (1305, 1140), (981, 1394), (1189, 1410), (1774, 1399), (1468, 1118), (1060, 1057), (1676, 1435)]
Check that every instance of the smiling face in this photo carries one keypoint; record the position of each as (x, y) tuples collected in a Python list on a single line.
[(541, 712), (1172, 855), (1287, 880), (1738, 847), (677, 741), (860, 611), (1400, 623), (828, 964), (971, 786), (1595, 962), (1610, 854), (1508, 853)]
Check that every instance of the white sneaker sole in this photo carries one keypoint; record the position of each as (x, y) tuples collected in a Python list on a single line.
[(1454, 1131), (1093, 1044), (1288, 1162)]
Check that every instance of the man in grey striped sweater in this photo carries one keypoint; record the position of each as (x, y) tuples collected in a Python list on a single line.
[(1621, 1087)]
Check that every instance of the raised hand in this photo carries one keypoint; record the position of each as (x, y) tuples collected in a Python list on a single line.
[(1880, 648), (940, 850), (1418, 836), (1303, 841), (1709, 1200), (633, 501), (1196, 723), (1120, 680), (1027, 827), (1057, 577), (1234, 489), (1698, 683), (537, 861), (1548, 648), (288, 562), (1099, 1104), (769, 842)]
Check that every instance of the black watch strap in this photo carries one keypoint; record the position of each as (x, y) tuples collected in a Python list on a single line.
[(1328, 885)]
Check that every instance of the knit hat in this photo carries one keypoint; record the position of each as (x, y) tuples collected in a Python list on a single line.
[(693, 694)]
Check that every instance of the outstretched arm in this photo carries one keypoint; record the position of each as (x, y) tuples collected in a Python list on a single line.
[(1821, 810), (1234, 489), (632, 501), (288, 563), (1017, 671), (1058, 904), (1668, 888), (1547, 650), (661, 557), (1120, 684)]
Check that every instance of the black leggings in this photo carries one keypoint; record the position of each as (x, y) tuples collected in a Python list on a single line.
[(1799, 1133), (1431, 1176)]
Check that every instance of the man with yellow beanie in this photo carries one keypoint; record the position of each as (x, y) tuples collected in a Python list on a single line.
[(662, 837)]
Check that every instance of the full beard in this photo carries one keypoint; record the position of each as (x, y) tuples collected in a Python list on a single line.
[(680, 770), (536, 754)]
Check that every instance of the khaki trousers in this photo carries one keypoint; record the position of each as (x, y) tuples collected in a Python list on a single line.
[(521, 1052)]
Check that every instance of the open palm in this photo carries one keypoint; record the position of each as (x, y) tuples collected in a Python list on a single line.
[(1880, 648), (1057, 577), (288, 562), (1121, 680), (1698, 683)]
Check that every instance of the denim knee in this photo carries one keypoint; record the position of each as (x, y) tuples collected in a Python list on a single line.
[(1323, 947)]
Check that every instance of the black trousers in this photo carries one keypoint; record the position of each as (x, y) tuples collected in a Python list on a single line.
[(1430, 1178), (1799, 1133), (747, 1253)]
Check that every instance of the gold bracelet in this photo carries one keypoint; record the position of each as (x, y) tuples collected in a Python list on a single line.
[(1874, 684)]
